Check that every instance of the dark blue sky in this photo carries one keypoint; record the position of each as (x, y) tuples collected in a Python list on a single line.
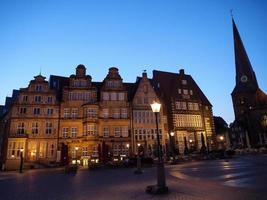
[(55, 36)]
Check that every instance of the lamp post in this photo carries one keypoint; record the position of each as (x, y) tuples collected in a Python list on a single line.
[(21, 160), (161, 187), (76, 150), (138, 161), (172, 145)]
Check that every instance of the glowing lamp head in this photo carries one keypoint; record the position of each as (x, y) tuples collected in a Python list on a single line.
[(221, 138), (172, 134), (127, 145), (21, 150), (76, 148), (155, 106), (190, 140), (138, 144)]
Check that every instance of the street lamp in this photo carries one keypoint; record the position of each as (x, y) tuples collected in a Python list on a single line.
[(161, 187), (138, 161), (172, 144), (76, 150), (21, 160)]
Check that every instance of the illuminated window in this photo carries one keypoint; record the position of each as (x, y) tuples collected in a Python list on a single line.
[(65, 132), (116, 113), (117, 132), (48, 127), (105, 113), (20, 128), (35, 128), (74, 113), (73, 132), (66, 112), (124, 131), (105, 132), (124, 113), (92, 129), (91, 113)]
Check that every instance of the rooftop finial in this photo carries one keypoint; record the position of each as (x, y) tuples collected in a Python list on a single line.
[(231, 13), (40, 72)]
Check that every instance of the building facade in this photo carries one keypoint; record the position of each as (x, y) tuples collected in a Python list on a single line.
[(74, 119), (249, 101), (189, 113)]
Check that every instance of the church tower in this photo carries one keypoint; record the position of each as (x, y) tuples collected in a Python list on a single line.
[(249, 101)]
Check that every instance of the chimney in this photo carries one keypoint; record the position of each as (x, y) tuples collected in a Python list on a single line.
[(181, 71)]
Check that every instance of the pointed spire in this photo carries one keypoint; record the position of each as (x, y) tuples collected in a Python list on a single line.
[(244, 70)]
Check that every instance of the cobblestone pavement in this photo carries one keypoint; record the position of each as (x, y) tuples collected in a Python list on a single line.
[(208, 180)]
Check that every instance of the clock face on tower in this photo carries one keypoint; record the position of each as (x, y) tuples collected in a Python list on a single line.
[(244, 79)]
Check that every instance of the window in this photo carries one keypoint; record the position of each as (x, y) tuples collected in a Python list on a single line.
[(37, 99), (184, 82), (191, 92), (74, 132), (49, 99), (35, 128), (65, 132), (20, 128), (145, 100), (116, 113), (14, 149), (49, 111), (185, 91), (190, 106), (48, 127), (91, 112), (23, 110), (113, 96), (183, 105), (121, 96), (117, 132), (105, 96), (179, 91), (24, 98), (91, 129), (66, 112), (124, 113), (196, 106), (36, 111), (124, 131), (38, 88), (105, 132), (74, 113), (105, 113), (178, 105), (85, 151)]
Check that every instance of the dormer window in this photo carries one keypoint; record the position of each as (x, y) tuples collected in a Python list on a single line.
[(113, 84)]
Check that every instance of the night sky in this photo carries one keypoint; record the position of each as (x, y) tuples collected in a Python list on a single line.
[(55, 36)]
